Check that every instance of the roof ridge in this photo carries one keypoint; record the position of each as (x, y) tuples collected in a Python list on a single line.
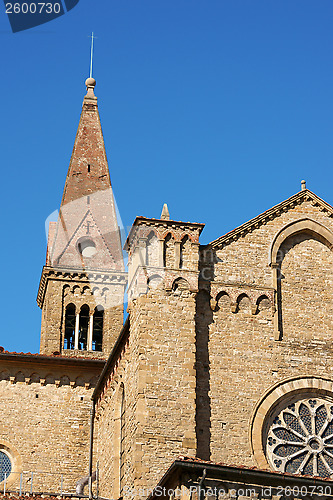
[(270, 214)]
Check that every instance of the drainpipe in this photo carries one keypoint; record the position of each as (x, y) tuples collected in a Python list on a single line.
[(92, 418)]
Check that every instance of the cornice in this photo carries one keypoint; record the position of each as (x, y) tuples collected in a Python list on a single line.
[(163, 225), (67, 274), (271, 214), (40, 359)]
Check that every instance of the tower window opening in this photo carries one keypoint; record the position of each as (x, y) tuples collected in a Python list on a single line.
[(97, 335), (183, 253), (83, 328), (69, 340), (167, 251), (88, 200), (88, 167), (86, 246)]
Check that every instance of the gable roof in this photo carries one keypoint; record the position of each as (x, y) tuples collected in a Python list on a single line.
[(247, 227)]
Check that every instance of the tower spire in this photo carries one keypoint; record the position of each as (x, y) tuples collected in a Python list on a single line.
[(82, 286), (87, 207)]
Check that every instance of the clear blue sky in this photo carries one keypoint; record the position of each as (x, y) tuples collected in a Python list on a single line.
[(217, 107)]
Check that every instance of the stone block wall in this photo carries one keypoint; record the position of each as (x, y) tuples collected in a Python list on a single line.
[(157, 370), (45, 422), (240, 356)]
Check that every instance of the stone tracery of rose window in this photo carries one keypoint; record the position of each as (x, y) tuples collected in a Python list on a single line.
[(300, 438)]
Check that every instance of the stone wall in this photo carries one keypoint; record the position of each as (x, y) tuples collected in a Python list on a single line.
[(45, 421), (240, 356), (157, 371), (199, 362)]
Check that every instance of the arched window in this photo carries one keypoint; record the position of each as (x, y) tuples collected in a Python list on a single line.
[(69, 339), (183, 254), (5, 466), (152, 250), (168, 249), (97, 336), (122, 441), (83, 327)]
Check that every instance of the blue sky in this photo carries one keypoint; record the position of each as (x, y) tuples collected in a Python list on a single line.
[(218, 108)]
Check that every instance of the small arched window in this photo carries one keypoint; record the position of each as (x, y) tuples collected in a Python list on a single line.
[(83, 327), (168, 251), (183, 248), (97, 336), (69, 340), (152, 250)]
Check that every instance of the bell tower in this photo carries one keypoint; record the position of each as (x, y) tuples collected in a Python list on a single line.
[(81, 291)]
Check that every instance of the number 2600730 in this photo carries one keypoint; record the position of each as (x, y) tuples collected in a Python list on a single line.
[(33, 8)]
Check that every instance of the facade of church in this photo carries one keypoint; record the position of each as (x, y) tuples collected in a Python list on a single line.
[(222, 373)]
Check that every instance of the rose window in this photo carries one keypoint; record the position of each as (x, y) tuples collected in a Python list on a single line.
[(300, 438)]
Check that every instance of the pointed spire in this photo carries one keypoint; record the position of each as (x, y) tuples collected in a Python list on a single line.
[(88, 210), (165, 212)]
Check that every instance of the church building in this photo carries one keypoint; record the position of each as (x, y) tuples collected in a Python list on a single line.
[(220, 382)]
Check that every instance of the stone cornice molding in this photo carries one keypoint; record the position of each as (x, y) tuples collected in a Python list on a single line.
[(142, 226), (91, 276), (272, 213)]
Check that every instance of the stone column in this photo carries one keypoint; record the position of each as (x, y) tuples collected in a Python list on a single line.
[(90, 332), (77, 325)]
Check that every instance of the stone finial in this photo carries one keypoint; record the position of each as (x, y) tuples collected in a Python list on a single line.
[(165, 212), (303, 185), (90, 84)]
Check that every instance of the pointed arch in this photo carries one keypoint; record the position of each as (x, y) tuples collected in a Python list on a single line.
[(307, 226), (289, 235)]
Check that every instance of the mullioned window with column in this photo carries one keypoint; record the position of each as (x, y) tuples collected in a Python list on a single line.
[(84, 328)]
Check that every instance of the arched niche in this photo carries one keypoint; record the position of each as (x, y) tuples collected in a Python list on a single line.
[(309, 226), (288, 237)]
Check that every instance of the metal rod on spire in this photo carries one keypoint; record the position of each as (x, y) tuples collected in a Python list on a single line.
[(91, 53)]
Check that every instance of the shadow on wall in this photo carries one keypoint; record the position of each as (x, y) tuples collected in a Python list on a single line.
[(203, 318)]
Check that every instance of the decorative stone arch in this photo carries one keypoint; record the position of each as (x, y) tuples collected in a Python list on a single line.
[(301, 226), (283, 391), (243, 298), (16, 462), (154, 281), (309, 226), (180, 284), (223, 300), (4, 375), (263, 302)]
